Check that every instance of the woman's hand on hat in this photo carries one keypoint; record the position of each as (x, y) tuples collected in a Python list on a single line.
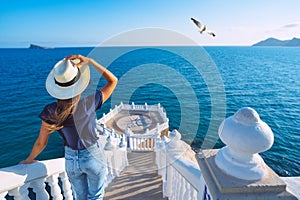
[(79, 60)]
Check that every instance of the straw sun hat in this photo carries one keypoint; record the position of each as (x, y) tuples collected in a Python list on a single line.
[(66, 81)]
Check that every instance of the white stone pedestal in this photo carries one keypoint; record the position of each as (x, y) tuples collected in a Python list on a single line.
[(222, 186), (237, 171)]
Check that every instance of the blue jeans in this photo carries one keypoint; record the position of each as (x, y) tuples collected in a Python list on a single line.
[(86, 171)]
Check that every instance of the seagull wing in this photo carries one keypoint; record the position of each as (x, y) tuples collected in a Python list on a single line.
[(197, 23), (211, 33)]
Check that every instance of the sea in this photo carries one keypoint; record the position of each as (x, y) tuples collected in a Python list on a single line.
[(197, 86)]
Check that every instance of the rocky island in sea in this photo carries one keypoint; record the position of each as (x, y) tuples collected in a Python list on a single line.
[(295, 42), (34, 46)]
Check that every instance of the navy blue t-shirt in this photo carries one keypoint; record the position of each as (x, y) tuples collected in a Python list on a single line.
[(78, 130)]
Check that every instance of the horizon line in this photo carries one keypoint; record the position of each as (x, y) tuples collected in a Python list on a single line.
[(110, 46)]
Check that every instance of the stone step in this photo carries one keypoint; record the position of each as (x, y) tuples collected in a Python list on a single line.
[(139, 180)]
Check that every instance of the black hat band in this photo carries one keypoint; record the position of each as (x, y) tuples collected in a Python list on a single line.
[(71, 82)]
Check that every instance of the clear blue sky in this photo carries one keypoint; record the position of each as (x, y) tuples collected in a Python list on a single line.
[(88, 23)]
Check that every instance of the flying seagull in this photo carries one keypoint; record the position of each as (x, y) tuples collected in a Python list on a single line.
[(202, 28)]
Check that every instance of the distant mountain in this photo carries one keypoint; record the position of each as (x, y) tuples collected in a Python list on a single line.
[(275, 42), (34, 46)]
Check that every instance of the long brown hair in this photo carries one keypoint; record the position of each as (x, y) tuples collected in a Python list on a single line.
[(64, 109)]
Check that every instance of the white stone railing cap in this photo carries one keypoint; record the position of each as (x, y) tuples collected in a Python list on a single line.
[(245, 132)]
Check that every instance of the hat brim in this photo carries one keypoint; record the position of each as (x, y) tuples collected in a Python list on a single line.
[(69, 92)]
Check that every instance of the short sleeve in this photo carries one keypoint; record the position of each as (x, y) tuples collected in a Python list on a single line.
[(98, 100), (48, 113)]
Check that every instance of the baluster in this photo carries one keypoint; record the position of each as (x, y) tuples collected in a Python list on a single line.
[(66, 186), (184, 184), (165, 181), (147, 144), (20, 193), (130, 143), (2, 195), (55, 189), (39, 187), (169, 175), (109, 166), (186, 192), (173, 183), (135, 144), (152, 144), (178, 184), (142, 144), (157, 157), (118, 161), (124, 163), (139, 144), (114, 163), (193, 193)]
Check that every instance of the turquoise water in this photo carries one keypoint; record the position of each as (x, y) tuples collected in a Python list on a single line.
[(266, 79)]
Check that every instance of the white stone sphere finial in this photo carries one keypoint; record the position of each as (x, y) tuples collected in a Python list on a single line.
[(246, 116), (175, 146), (245, 135)]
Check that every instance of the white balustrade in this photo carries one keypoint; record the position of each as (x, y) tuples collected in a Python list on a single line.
[(145, 141), (180, 175), (142, 142), (16, 180), (116, 161)]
